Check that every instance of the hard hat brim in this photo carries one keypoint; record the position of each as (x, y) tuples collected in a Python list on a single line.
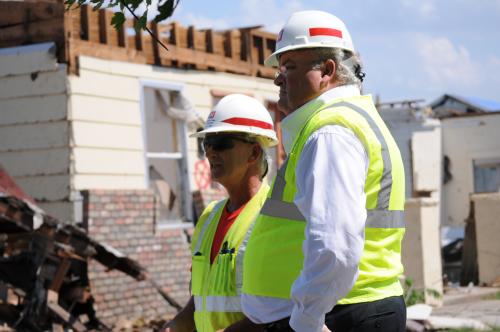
[(272, 60), (269, 141)]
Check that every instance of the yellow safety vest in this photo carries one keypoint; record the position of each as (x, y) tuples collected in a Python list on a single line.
[(274, 257), (216, 287)]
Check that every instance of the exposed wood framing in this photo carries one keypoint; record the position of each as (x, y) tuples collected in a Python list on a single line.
[(82, 31)]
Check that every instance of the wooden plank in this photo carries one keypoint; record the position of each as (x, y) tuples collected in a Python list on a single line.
[(36, 162), (218, 43), (218, 61), (104, 161), (153, 26), (179, 35), (257, 50), (106, 110), (60, 274), (90, 24), (16, 12), (47, 187), (196, 39), (107, 136), (108, 182), (108, 85), (246, 45), (35, 84), (33, 32), (164, 32), (33, 109), (34, 136), (108, 34), (210, 40), (104, 37), (139, 36), (75, 29), (28, 59), (82, 47)]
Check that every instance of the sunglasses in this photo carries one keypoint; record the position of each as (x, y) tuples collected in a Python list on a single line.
[(223, 142)]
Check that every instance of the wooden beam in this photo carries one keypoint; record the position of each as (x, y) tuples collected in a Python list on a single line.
[(33, 32), (90, 24), (82, 47), (16, 12)]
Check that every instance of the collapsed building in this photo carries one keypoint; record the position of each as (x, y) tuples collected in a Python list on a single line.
[(451, 153), (44, 280)]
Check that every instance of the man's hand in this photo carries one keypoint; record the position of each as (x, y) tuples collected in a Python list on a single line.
[(325, 329), (169, 327), (183, 321)]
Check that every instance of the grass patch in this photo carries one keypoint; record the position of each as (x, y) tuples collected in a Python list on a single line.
[(495, 296)]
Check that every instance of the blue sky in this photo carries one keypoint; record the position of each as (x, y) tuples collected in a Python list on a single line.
[(411, 49)]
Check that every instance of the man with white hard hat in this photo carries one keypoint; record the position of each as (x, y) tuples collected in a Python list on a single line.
[(237, 132), (326, 246)]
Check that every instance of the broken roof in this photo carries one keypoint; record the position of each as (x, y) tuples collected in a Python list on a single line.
[(87, 32), (475, 103)]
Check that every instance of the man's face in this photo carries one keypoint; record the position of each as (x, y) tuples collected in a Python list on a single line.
[(227, 155), (299, 79)]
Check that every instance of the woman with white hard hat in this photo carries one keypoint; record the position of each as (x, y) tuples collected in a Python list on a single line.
[(235, 136)]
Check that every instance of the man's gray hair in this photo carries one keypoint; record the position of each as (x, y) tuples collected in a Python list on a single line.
[(349, 67)]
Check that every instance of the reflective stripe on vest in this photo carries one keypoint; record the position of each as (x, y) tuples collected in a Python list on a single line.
[(374, 219), (218, 303), (386, 180), (239, 259), (209, 221)]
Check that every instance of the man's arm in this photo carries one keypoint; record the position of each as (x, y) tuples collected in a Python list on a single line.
[(331, 175), (183, 321)]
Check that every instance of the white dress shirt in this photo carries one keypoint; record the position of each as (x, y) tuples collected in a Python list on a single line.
[(330, 173)]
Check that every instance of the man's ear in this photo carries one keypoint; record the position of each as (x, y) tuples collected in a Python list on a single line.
[(327, 73), (329, 69)]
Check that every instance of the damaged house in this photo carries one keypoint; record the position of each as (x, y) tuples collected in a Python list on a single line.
[(94, 125), (451, 153)]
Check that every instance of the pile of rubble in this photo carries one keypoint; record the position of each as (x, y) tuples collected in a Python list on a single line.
[(44, 284)]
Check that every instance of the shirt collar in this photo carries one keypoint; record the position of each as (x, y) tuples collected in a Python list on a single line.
[(292, 123)]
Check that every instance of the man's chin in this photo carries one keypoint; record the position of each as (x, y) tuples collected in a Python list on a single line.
[(283, 107)]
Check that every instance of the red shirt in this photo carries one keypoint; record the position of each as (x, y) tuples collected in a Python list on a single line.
[(225, 222)]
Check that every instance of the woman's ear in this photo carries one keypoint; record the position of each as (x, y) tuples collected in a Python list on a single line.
[(255, 153)]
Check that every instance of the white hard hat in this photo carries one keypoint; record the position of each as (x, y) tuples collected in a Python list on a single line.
[(241, 114), (311, 28)]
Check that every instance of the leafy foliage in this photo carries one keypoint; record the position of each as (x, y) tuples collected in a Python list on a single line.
[(413, 296), (165, 9)]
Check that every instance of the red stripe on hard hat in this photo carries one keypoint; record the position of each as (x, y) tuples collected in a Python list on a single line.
[(249, 122), (325, 32)]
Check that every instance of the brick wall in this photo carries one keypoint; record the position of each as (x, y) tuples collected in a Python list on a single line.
[(126, 221)]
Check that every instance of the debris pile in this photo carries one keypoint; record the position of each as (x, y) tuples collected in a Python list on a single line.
[(43, 268)]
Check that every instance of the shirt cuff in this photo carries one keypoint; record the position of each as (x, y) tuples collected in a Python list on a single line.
[(301, 322)]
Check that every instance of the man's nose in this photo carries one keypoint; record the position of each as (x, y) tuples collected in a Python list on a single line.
[(278, 78)]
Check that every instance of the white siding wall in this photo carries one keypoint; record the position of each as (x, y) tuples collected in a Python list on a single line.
[(464, 140), (34, 132), (403, 123), (106, 121)]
